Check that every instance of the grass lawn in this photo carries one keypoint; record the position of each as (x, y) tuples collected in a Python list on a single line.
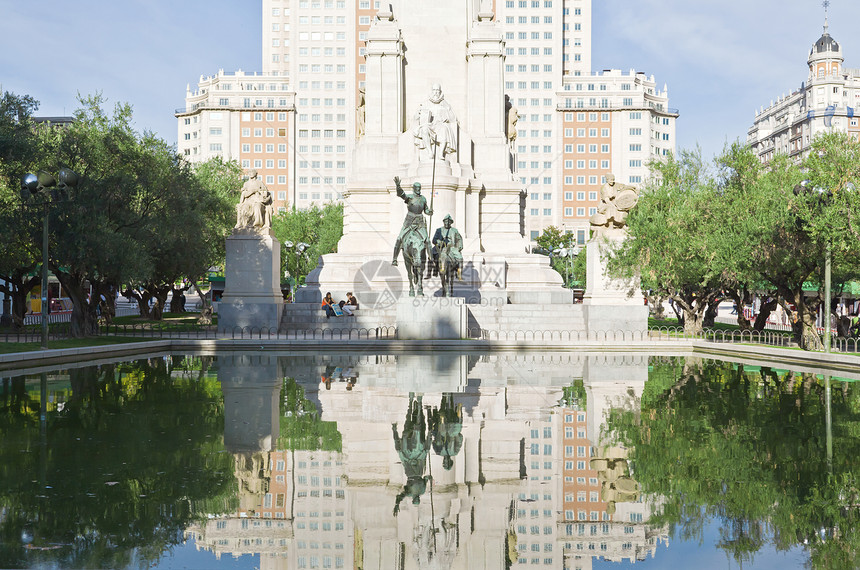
[(168, 322), (10, 347), (652, 322)]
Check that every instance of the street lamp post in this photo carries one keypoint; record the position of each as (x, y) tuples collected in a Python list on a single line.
[(298, 249), (33, 185), (569, 253)]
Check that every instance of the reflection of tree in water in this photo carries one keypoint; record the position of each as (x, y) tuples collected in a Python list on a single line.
[(446, 425), (131, 459), (301, 426), (411, 446), (747, 447)]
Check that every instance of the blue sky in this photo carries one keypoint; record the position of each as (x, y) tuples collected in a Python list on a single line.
[(720, 60)]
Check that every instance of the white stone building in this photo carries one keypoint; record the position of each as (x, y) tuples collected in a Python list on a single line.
[(825, 101), (247, 117), (610, 122)]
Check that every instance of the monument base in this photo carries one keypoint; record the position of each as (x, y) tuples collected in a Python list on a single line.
[(252, 286), (519, 278), (611, 304), (431, 318)]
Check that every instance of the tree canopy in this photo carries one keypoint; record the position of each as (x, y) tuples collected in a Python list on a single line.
[(140, 215), (700, 233), (320, 228)]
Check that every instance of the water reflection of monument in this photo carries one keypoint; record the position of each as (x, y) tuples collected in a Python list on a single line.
[(484, 471)]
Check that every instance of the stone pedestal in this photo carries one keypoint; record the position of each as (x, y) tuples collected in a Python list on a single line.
[(427, 318), (252, 288), (611, 304)]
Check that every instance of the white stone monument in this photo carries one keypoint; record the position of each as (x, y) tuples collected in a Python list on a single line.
[(252, 297), (435, 112), (612, 305)]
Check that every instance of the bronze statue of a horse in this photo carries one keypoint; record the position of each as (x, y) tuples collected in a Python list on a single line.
[(414, 257), (449, 266)]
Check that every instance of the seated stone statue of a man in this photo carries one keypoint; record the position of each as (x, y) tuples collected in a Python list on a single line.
[(255, 205), (435, 124), (616, 201)]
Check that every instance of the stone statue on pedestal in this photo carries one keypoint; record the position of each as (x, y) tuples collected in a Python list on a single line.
[(616, 201), (255, 206), (512, 117), (435, 123), (359, 114)]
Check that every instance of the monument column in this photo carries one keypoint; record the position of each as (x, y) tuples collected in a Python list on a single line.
[(369, 215)]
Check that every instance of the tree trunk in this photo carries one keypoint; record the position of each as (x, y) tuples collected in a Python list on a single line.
[(803, 320), (741, 298), (767, 307), (205, 306), (694, 320), (176, 300), (160, 294), (107, 308), (142, 298), (679, 312), (655, 305), (711, 313), (84, 322), (20, 286)]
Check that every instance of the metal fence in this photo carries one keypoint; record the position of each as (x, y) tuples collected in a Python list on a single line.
[(66, 316), (554, 337)]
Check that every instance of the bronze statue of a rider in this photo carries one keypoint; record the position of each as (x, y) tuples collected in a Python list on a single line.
[(416, 206)]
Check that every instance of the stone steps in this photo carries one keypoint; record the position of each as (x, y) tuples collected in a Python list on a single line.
[(503, 318)]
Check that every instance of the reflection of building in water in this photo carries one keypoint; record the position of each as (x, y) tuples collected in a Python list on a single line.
[(604, 514), (509, 475), (323, 535)]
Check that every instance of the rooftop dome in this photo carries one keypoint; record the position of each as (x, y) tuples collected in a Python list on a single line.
[(825, 44)]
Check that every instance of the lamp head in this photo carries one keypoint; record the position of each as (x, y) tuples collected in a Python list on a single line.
[(66, 178), (288, 244), (45, 180), (29, 185)]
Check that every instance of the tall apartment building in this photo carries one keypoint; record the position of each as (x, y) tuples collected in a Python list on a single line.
[(246, 117), (314, 45), (315, 48), (545, 41), (824, 102), (610, 122)]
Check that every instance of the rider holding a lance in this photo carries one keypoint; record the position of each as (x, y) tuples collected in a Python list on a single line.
[(416, 206)]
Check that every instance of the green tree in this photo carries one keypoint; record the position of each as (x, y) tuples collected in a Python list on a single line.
[(572, 270), (139, 214), (670, 243), (780, 219), (189, 237), (19, 150), (320, 228), (223, 179)]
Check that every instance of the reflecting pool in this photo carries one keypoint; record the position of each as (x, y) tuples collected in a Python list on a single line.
[(433, 460)]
